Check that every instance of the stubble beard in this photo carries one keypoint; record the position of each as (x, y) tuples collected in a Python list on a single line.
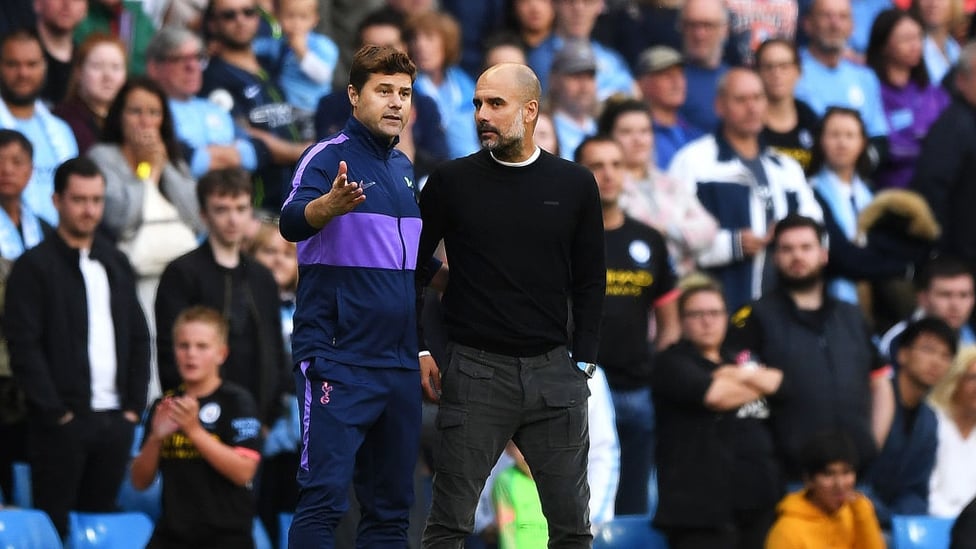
[(508, 147)]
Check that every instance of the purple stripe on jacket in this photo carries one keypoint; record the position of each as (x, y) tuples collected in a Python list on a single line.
[(364, 240), (296, 180)]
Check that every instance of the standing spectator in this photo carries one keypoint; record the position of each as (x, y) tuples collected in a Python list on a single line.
[(303, 60), (533, 20), (747, 188), (85, 393), (944, 289), (946, 167), (21, 81), (704, 28), (204, 439), (839, 168), (56, 22), (717, 488), (435, 45), (829, 79), (650, 195), (752, 22), (953, 482), (210, 138), (236, 80), (661, 79), (97, 76), (640, 282), (124, 19), (941, 51), (827, 505), (842, 386), (790, 124), (575, 20), (899, 477), (218, 275), (515, 267), (911, 102), (572, 95), (150, 199), (354, 346)]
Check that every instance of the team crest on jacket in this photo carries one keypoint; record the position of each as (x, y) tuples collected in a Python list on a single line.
[(210, 412), (640, 252)]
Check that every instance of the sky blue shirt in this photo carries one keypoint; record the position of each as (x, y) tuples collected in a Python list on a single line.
[(937, 63), (863, 13), (453, 97), (200, 123), (570, 134), (300, 89), (37, 194), (846, 85), (612, 74)]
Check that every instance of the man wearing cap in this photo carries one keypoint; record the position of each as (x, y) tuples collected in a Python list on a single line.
[(573, 95), (661, 79)]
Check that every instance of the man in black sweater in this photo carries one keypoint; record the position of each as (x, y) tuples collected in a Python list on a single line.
[(523, 233)]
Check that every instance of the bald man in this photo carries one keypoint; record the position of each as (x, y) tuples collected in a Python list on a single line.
[(524, 233), (746, 186)]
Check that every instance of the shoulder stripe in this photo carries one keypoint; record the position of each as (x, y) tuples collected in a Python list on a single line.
[(296, 179)]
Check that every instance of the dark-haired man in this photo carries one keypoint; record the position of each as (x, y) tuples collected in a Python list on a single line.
[(353, 211), (833, 377), (79, 348)]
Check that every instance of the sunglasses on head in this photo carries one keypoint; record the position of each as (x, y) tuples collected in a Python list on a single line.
[(230, 15)]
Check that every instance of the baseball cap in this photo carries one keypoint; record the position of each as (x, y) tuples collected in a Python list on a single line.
[(658, 58), (576, 56)]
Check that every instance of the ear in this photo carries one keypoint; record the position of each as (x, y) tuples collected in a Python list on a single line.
[(531, 111), (353, 94)]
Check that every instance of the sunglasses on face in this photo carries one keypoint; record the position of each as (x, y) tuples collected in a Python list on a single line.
[(230, 15)]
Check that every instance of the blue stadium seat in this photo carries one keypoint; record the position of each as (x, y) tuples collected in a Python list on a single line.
[(261, 539), (920, 532), (108, 530), (627, 532), (23, 492), (27, 529), (148, 501), (284, 524)]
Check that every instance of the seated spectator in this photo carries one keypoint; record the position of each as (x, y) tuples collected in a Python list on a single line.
[(940, 50), (533, 20), (911, 102), (572, 94), (209, 137), (204, 438), (20, 228), (650, 195), (943, 289), (829, 79), (97, 76), (718, 487), (899, 477), (575, 20), (56, 22), (124, 19), (953, 482), (435, 47), (827, 507), (704, 26), (303, 60), (839, 165), (790, 124), (545, 133), (662, 82), (21, 109)]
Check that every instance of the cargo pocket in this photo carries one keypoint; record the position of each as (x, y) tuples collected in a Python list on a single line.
[(449, 453), (568, 414), (474, 381)]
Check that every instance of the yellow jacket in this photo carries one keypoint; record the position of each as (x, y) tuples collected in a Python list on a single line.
[(803, 525)]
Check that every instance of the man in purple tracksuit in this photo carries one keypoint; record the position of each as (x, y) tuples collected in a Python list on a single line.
[(353, 211)]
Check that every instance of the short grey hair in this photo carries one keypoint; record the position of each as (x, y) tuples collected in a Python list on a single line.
[(170, 38)]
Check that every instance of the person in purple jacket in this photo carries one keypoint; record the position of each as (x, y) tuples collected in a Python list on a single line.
[(911, 102), (352, 210)]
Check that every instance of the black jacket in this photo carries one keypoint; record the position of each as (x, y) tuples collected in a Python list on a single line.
[(46, 324), (945, 175), (257, 353)]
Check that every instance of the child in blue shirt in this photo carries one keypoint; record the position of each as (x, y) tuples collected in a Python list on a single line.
[(302, 61)]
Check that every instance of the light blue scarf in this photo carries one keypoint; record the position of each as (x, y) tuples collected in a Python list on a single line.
[(830, 187), (11, 245), (63, 150)]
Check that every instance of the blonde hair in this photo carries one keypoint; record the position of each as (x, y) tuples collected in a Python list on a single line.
[(942, 393)]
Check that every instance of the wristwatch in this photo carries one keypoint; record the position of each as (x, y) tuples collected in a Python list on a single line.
[(587, 368)]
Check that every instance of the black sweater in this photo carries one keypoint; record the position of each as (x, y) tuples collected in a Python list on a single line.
[(523, 243)]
